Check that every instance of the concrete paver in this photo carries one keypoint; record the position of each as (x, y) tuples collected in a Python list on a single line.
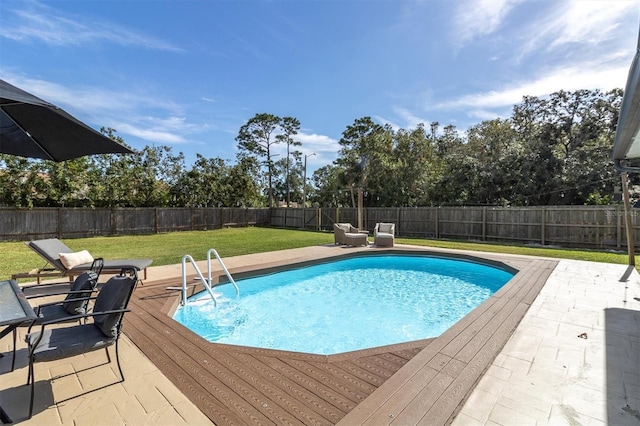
[(93, 396), (574, 358)]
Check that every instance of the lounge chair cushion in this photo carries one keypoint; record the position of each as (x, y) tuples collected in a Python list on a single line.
[(85, 283), (386, 228), (114, 295), (354, 239), (71, 260)]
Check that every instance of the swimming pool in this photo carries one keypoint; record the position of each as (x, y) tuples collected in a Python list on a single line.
[(345, 305)]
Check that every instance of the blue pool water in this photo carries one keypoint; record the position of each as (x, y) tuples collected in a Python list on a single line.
[(344, 305)]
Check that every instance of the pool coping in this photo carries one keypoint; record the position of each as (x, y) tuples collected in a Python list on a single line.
[(432, 386), (249, 272)]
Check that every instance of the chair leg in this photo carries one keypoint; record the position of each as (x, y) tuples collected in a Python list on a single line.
[(15, 338), (118, 361), (33, 385), (29, 371)]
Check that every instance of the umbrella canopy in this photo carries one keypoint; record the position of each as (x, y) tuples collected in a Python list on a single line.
[(626, 147), (31, 127)]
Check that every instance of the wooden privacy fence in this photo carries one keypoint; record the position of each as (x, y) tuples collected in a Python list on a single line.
[(42, 223), (567, 226)]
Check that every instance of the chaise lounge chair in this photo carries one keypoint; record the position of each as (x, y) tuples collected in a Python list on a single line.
[(384, 234), (62, 261), (345, 233)]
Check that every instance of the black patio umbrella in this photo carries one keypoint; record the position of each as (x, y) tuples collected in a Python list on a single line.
[(31, 127)]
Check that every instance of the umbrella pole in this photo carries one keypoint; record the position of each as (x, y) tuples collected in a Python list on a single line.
[(627, 220)]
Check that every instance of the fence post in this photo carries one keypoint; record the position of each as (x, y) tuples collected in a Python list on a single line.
[(484, 224), (337, 214), (155, 220), (285, 217), (319, 214), (114, 222), (618, 227), (437, 222), (543, 223), (59, 230)]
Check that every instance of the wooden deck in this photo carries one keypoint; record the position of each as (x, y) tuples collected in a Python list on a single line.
[(420, 382)]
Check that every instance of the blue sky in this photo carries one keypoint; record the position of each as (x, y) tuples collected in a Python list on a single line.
[(189, 73)]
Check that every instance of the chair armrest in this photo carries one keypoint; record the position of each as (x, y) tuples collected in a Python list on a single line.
[(60, 302), (80, 316), (35, 296)]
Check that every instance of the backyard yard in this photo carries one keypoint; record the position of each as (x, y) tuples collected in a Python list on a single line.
[(168, 248)]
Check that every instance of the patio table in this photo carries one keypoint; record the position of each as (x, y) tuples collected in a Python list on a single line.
[(14, 310)]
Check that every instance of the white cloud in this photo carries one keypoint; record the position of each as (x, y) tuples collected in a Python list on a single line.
[(325, 149), (584, 76), (483, 114), (404, 119), (571, 45), (583, 25), (411, 121), (44, 24), (164, 122), (153, 135), (475, 18), (313, 140)]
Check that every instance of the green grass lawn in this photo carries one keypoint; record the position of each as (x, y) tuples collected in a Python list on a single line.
[(166, 249)]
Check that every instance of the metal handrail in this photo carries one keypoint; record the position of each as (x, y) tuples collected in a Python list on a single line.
[(206, 283), (224, 268)]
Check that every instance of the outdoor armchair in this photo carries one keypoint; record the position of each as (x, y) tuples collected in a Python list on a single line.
[(384, 234), (346, 234), (53, 343)]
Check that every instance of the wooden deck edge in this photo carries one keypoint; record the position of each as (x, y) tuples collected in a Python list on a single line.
[(415, 394)]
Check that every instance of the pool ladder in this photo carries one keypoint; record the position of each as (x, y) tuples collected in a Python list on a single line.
[(205, 281)]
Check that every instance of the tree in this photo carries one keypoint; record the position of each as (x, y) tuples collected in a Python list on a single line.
[(257, 138), (364, 156), (66, 184), (203, 185), (568, 139), (329, 187), (240, 184), (290, 127), (110, 180), (493, 151), (21, 182), (414, 170)]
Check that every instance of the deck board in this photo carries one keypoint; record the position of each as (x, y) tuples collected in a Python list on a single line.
[(420, 382), (430, 388), (234, 385)]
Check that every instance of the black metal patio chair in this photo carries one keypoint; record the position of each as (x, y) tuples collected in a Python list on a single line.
[(53, 343)]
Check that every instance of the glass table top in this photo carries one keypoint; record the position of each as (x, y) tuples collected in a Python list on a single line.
[(13, 304)]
